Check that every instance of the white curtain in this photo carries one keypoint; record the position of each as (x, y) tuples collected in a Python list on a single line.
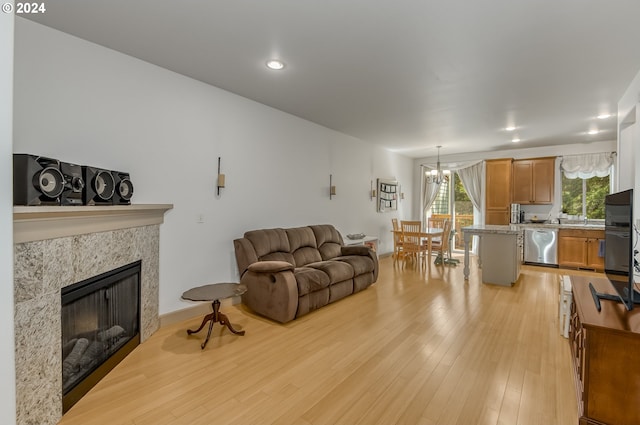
[(587, 165), (471, 178), (429, 190)]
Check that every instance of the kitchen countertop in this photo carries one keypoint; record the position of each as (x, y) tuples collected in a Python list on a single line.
[(588, 226), (507, 229)]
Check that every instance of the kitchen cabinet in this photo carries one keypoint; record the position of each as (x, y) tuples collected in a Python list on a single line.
[(579, 248), (604, 346), (498, 191), (533, 181)]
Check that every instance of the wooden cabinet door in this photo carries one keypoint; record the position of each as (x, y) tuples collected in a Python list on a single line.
[(533, 181), (497, 217), (594, 261), (542, 180), (522, 182), (572, 251), (498, 191)]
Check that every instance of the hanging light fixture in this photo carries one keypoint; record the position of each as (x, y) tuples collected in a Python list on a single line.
[(439, 177)]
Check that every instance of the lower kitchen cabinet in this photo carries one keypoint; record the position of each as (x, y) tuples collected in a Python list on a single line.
[(578, 248)]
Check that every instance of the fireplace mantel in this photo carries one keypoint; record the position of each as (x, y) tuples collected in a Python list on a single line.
[(50, 222)]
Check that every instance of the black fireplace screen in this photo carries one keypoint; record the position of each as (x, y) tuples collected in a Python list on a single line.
[(100, 316)]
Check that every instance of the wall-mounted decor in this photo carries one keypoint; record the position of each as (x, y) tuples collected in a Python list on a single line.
[(387, 195), (221, 178)]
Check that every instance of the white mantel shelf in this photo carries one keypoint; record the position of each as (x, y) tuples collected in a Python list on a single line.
[(49, 222)]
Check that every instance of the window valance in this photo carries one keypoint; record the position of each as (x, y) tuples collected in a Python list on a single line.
[(587, 165)]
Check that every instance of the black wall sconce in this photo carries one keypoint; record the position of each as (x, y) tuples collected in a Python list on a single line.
[(332, 188), (221, 178)]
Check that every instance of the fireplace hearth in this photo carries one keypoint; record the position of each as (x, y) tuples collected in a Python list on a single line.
[(100, 326)]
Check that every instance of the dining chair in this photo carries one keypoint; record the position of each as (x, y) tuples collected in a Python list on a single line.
[(412, 245), (443, 246), (397, 241), (435, 222)]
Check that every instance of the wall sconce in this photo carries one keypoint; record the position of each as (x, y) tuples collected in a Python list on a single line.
[(372, 192), (221, 178), (332, 188)]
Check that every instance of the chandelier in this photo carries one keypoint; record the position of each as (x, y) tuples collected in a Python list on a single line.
[(439, 177)]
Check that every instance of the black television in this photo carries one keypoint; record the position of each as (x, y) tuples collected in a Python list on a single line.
[(618, 249)]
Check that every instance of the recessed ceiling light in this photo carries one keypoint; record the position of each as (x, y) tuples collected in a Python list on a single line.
[(511, 128), (275, 64), (593, 132), (515, 139), (603, 116)]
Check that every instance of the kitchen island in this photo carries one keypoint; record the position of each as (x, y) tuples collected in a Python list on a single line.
[(499, 256)]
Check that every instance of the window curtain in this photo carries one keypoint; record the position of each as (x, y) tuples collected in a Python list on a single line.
[(471, 178), (429, 190), (587, 166)]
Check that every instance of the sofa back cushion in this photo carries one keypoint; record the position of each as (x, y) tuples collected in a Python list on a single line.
[(271, 245), (304, 248), (328, 239)]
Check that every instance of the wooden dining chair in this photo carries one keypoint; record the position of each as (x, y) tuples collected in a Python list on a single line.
[(397, 241), (442, 246), (412, 245), (435, 222)]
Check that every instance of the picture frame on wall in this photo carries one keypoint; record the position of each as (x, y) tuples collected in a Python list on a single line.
[(387, 195)]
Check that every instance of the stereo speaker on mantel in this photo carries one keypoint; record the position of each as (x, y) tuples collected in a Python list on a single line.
[(73, 184), (99, 186), (124, 188), (37, 180)]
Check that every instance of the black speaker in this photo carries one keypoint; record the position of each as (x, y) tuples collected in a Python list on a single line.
[(37, 180), (124, 188), (73, 184), (99, 186)]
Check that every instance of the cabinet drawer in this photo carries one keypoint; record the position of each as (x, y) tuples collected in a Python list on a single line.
[(582, 233)]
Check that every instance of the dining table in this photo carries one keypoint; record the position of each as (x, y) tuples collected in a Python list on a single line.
[(426, 235)]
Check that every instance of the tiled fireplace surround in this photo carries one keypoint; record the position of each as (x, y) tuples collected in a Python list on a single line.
[(56, 247)]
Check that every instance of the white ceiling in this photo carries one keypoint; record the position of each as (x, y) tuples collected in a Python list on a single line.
[(404, 74)]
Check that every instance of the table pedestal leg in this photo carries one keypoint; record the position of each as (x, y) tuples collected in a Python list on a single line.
[(467, 241), (214, 317)]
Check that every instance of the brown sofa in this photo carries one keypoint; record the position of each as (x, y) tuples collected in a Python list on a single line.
[(291, 272)]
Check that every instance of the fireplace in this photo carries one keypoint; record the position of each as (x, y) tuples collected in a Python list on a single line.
[(53, 248), (100, 326)]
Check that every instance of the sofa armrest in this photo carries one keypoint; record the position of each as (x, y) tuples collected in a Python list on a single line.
[(272, 290), (270, 266), (363, 250)]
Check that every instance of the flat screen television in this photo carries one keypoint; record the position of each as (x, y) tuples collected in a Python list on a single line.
[(618, 249)]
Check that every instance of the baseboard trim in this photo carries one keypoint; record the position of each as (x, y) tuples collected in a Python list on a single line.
[(196, 310)]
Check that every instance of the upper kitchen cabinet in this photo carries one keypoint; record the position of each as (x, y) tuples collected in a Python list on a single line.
[(533, 181), (498, 191)]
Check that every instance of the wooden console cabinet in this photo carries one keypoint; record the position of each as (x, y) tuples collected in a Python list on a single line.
[(579, 248), (605, 348)]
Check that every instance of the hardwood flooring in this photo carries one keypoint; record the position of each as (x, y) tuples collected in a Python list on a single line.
[(418, 347)]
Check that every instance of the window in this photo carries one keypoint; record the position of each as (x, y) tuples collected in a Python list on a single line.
[(584, 196), (452, 201)]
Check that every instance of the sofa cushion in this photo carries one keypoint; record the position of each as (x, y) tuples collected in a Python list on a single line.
[(328, 239), (310, 280), (360, 263), (271, 245), (337, 270), (303, 245)]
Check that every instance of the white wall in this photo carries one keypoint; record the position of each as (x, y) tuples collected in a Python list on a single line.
[(79, 102), (629, 142), (7, 358)]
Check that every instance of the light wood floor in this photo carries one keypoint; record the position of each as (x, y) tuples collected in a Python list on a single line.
[(418, 347)]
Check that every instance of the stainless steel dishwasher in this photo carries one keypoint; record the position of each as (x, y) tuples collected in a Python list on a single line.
[(541, 246)]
